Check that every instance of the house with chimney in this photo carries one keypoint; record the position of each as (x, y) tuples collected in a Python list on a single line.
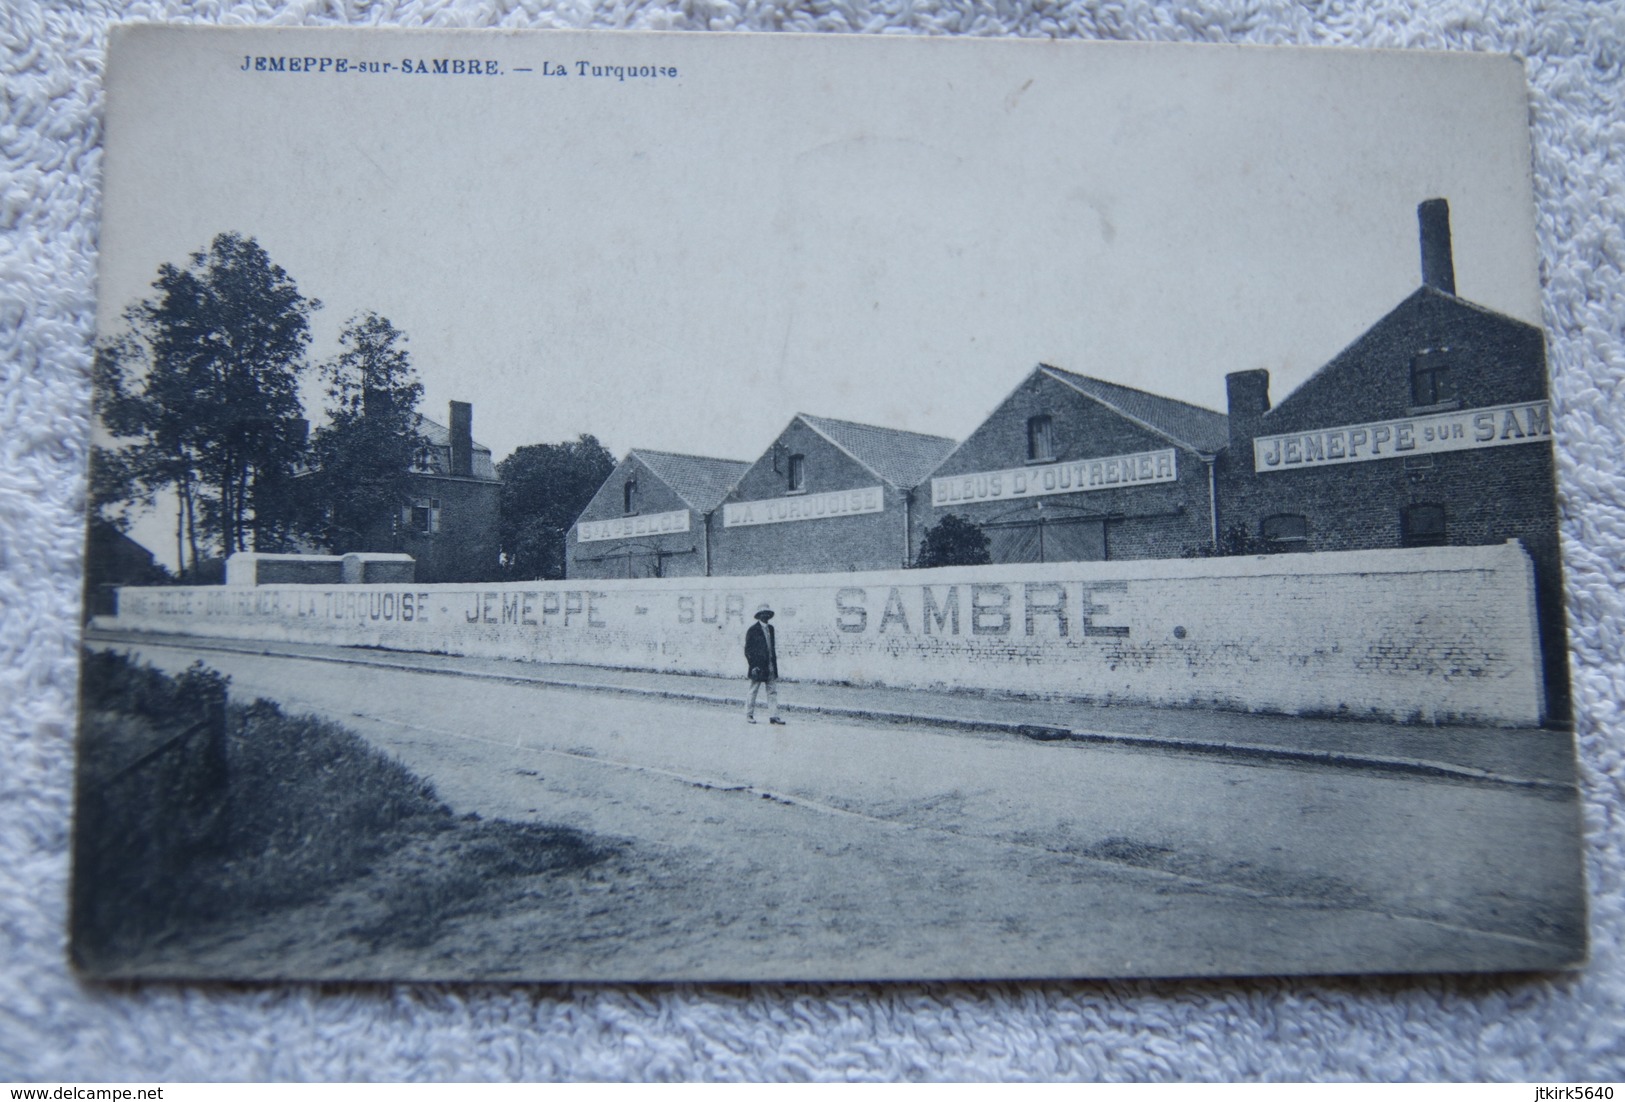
[(1071, 468), (651, 518), (826, 495), (1432, 428), (449, 525)]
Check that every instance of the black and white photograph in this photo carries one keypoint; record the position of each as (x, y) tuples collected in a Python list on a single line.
[(656, 507)]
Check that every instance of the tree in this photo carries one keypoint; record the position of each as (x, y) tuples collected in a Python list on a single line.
[(204, 388), (129, 478), (544, 488), (954, 541), (362, 459)]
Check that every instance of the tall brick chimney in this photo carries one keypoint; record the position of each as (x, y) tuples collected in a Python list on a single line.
[(1438, 268), (1247, 398), (462, 439)]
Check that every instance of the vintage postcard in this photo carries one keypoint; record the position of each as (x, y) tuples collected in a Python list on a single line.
[(617, 506)]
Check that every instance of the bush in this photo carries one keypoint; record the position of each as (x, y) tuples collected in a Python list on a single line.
[(954, 541), (1235, 540)]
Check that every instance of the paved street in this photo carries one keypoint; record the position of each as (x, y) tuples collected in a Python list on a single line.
[(836, 847)]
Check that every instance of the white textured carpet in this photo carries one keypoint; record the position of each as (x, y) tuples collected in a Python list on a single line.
[(54, 1029)]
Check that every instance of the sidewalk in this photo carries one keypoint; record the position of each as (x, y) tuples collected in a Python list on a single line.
[(1518, 756)]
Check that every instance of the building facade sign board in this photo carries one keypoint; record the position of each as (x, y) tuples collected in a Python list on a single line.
[(778, 510), (1078, 476), (1459, 430), (620, 528)]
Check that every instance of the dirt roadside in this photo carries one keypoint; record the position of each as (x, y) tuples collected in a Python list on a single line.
[(836, 851)]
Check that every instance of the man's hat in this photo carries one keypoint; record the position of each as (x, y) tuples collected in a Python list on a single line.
[(763, 611)]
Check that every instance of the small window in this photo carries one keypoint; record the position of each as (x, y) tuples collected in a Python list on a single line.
[(629, 496), (798, 473), (1431, 384), (421, 518), (1286, 531), (1422, 526), (1040, 441)]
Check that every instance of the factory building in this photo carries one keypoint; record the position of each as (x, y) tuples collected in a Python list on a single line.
[(1431, 429), (449, 525), (651, 517), (827, 495), (1071, 468)]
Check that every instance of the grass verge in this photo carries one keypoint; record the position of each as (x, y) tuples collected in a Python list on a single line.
[(194, 813)]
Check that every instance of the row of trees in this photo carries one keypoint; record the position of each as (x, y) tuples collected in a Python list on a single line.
[(201, 391), (201, 388)]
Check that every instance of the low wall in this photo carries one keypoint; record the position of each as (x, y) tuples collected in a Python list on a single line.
[(1438, 633), (258, 568)]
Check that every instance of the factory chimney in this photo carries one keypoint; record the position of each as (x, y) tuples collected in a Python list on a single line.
[(1247, 399), (1438, 269), (462, 440)]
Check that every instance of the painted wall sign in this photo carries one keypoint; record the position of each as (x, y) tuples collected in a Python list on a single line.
[(778, 510), (620, 528), (1462, 430), (1268, 632), (1109, 472)]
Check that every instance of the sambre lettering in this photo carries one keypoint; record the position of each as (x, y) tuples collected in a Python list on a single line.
[(1054, 610)]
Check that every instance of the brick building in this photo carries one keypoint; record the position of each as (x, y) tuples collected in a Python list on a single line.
[(827, 495), (450, 526), (1431, 429), (651, 518), (1072, 468)]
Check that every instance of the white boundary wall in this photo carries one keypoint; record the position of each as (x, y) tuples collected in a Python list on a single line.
[(1434, 633)]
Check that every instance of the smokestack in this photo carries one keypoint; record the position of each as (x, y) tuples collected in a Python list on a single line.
[(462, 440), (1438, 269), (1247, 398)]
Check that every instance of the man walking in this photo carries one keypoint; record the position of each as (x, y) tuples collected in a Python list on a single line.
[(762, 655)]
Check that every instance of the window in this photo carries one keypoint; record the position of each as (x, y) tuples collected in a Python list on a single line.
[(1422, 526), (423, 516), (1040, 443), (798, 474), (1286, 531), (629, 496), (1430, 378)]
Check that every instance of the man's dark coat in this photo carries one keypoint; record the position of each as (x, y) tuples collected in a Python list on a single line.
[(761, 653)]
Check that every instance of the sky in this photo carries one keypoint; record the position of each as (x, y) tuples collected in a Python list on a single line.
[(886, 230)]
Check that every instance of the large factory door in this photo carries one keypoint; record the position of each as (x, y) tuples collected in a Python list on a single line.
[(1047, 539)]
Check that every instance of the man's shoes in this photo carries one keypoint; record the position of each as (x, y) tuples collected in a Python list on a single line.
[(775, 721), (750, 719)]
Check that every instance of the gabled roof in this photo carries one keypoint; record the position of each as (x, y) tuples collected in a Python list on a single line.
[(439, 458), (1422, 293), (699, 480), (902, 458), (1195, 427)]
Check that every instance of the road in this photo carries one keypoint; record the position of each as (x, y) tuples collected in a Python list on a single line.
[(838, 849)]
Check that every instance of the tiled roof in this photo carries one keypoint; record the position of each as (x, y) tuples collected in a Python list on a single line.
[(439, 437), (1204, 430), (699, 480), (902, 458)]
